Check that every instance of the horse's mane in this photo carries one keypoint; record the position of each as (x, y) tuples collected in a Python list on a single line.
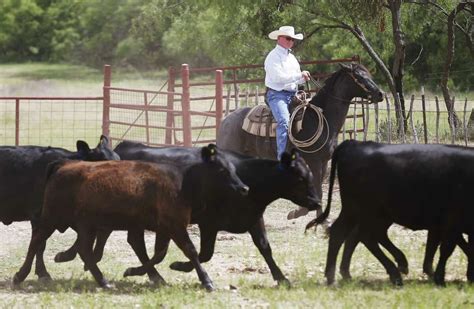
[(320, 98)]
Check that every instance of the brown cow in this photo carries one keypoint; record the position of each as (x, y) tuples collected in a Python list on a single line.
[(130, 195)]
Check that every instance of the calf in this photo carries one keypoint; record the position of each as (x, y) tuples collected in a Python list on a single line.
[(130, 195), (268, 180), (417, 186), (23, 170)]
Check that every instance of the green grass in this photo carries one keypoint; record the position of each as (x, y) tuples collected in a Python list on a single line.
[(239, 272)]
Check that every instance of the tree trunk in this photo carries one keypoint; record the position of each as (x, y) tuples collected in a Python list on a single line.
[(357, 32), (452, 118), (399, 55)]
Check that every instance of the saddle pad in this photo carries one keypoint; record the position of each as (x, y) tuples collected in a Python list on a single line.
[(259, 121)]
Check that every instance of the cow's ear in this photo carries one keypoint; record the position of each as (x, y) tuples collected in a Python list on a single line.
[(104, 141), (208, 154), (82, 147)]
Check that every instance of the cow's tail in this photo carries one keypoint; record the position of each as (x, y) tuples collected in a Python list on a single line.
[(332, 177)]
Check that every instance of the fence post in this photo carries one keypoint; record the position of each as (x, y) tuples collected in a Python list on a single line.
[(106, 104), (17, 122), (170, 106), (185, 106), (410, 114), (219, 98), (423, 107)]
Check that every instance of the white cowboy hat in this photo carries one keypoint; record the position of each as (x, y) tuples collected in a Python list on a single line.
[(285, 31)]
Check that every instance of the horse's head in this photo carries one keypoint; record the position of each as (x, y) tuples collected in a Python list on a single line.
[(366, 87)]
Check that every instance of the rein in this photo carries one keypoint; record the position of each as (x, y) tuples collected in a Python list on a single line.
[(317, 134)]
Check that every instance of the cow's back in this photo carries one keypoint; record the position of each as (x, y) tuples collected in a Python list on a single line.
[(414, 184), (117, 195), (23, 178)]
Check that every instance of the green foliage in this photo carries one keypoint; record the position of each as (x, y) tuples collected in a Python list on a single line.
[(159, 33)]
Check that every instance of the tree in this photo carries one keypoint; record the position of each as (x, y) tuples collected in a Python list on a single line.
[(452, 25)]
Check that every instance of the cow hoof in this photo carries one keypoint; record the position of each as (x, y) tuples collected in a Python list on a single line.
[(397, 281), (106, 285), (403, 269), (45, 278), (62, 257), (296, 213), (346, 275), (208, 286), (17, 279), (157, 280), (284, 283), (182, 266)]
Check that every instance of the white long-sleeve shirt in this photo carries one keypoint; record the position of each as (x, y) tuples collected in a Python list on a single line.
[(282, 70)]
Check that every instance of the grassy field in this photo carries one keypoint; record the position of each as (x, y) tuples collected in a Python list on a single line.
[(239, 272)]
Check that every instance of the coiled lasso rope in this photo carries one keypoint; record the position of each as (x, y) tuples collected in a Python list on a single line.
[(319, 131)]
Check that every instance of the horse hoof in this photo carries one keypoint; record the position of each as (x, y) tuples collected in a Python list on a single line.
[(158, 280), (17, 279), (128, 272), (208, 286)]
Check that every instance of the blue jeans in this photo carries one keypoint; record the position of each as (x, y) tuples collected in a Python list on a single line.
[(278, 102)]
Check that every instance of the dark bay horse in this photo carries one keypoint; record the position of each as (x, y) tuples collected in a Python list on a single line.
[(334, 98)]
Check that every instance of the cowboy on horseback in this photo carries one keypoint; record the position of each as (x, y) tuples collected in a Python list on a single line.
[(282, 77)]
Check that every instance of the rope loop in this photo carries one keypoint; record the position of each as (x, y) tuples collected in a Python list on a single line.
[(304, 104)]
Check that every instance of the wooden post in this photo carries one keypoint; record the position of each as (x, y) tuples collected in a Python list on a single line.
[(423, 108), (227, 102), (415, 134), (147, 124), (256, 95), (465, 122), (366, 120), (389, 121), (185, 106), (437, 119), (17, 122), (170, 106), (354, 117), (401, 126), (377, 129), (219, 98), (106, 104), (451, 122)]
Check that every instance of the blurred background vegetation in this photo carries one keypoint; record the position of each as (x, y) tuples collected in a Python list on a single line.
[(154, 34)]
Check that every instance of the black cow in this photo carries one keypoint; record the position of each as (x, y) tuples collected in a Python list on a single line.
[(268, 180), (130, 195), (23, 170), (417, 186)]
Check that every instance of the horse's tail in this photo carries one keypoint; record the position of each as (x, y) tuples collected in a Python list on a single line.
[(332, 177)]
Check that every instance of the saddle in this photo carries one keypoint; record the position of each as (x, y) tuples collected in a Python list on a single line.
[(259, 120)]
